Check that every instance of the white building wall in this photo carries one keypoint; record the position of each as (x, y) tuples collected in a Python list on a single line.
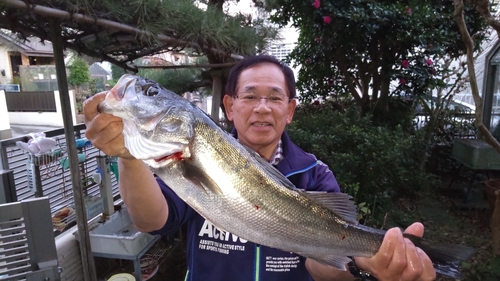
[(54, 119), (5, 65), (5, 131)]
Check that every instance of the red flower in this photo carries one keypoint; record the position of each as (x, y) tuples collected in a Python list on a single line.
[(402, 81), (327, 19), (316, 4), (405, 63), (408, 11), (317, 39), (428, 62)]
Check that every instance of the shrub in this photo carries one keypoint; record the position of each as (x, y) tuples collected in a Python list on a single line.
[(383, 162)]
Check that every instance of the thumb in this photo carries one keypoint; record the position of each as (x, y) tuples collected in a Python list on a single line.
[(90, 105), (416, 229)]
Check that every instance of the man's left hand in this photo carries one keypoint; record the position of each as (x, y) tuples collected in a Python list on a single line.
[(399, 259)]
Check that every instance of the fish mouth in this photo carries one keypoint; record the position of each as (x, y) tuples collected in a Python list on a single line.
[(122, 85), (178, 156)]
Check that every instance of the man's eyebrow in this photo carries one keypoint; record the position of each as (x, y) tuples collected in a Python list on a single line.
[(274, 89)]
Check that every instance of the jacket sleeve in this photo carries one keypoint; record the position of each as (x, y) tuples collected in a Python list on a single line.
[(178, 211), (322, 179)]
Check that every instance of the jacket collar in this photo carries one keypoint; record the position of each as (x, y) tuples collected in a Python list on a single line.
[(295, 160)]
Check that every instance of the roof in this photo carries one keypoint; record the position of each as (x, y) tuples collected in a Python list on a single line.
[(31, 46), (96, 69)]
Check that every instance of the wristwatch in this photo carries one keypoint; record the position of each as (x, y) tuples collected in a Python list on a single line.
[(358, 273)]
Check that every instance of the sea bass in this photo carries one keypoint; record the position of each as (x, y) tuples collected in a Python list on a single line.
[(237, 190)]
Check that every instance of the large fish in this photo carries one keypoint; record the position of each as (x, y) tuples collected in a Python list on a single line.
[(237, 190)]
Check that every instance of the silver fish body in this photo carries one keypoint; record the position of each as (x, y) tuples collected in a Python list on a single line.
[(232, 186)]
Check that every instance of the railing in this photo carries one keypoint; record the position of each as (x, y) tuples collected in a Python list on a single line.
[(28, 250), (53, 178)]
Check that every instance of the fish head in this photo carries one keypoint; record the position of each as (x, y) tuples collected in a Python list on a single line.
[(157, 123)]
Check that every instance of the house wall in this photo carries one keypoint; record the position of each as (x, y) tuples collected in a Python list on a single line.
[(54, 119), (5, 65), (5, 131)]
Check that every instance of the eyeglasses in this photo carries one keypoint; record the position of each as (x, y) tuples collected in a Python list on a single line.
[(274, 100)]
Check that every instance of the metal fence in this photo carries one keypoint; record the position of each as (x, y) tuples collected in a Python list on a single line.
[(54, 178), (30, 101)]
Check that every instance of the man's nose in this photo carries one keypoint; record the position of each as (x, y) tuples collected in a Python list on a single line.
[(259, 102)]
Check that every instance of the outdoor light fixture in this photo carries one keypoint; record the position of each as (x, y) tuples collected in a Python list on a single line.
[(2, 72)]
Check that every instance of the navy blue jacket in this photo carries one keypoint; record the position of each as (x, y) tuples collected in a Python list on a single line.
[(214, 255)]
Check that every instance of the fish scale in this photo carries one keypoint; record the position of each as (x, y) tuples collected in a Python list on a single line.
[(238, 191)]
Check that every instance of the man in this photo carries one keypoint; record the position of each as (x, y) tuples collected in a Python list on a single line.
[(260, 100)]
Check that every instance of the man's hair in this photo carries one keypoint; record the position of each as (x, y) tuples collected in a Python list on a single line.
[(248, 62)]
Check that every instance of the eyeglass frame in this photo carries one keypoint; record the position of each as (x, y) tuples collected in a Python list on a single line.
[(258, 100)]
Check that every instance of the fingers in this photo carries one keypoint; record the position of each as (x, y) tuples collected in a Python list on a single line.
[(90, 105), (104, 130), (399, 259)]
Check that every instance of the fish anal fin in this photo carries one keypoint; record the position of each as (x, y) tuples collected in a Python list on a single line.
[(338, 262), (340, 203), (199, 178)]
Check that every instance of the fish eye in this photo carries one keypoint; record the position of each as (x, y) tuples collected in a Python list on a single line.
[(151, 91)]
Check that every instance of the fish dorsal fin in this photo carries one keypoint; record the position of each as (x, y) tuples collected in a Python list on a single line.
[(338, 262), (340, 203), (199, 178), (270, 169)]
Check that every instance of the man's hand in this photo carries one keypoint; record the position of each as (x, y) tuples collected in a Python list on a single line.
[(104, 130), (399, 259)]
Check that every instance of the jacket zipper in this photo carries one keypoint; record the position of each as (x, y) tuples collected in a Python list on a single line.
[(257, 263)]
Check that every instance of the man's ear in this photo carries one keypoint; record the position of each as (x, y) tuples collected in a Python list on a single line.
[(228, 106), (291, 110)]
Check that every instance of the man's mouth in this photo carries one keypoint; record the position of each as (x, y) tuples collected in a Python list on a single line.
[(261, 124)]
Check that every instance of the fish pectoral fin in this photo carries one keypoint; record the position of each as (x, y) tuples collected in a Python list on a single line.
[(338, 262), (199, 178), (340, 203)]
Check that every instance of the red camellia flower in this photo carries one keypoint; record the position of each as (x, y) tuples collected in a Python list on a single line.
[(402, 81), (405, 63), (327, 19), (316, 4), (409, 11), (428, 62)]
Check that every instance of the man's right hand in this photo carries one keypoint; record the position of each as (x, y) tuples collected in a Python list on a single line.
[(104, 130)]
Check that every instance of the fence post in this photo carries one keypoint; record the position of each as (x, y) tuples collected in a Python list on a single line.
[(105, 187), (4, 160), (7, 187)]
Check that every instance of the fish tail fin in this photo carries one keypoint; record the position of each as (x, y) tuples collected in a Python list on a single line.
[(446, 258)]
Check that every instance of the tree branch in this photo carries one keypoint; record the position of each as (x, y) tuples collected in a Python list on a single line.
[(43, 10), (469, 44), (483, 8), (212, 65), (349, 81)]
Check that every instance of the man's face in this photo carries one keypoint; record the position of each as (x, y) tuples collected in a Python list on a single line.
[(260, 109)]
